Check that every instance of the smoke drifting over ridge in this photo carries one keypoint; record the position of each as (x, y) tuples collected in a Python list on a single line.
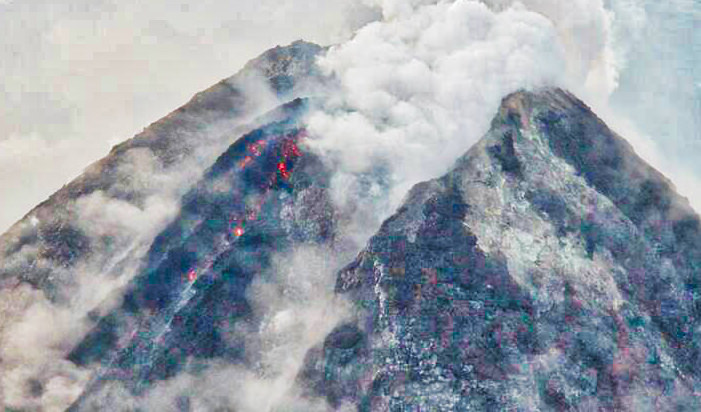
[(81, 76), (421, 86), (107, 233)]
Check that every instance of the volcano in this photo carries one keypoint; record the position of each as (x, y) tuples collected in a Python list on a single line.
[(551, 268)]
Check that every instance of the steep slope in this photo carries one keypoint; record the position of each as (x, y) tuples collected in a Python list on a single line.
[(551, 269), (72, 254), (264, 197), (48, 239)]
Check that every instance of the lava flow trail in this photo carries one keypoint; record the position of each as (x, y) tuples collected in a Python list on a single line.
[(273, 157)]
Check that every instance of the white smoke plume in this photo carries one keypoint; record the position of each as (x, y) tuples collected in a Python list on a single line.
[(417, 89), (36, 333), (421, 86), (80, 76)]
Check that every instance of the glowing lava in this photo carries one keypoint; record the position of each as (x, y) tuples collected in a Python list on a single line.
[(246, 160), (256, 147), (286, 152), (282, 167), (192, 275)]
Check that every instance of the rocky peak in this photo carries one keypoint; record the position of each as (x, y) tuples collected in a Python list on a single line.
[(161, 162), (551, 269), (287, 66)]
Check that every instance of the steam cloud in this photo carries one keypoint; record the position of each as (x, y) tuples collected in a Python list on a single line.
[(421, 86), (37, 332), (416, 90)]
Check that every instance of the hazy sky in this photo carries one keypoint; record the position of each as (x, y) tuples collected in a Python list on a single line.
[(78, 76)]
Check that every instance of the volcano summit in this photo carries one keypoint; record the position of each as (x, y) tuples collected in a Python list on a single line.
[(212, 263)]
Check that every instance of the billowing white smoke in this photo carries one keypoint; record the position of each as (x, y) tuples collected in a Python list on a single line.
[(417, 89), (36, 333), (421, 86)]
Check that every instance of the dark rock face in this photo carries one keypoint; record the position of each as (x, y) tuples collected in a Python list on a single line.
[(47, 244), (76, 251), (263, 196), (551, 269)]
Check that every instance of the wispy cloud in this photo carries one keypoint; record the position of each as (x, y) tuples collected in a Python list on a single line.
[(81, 76)]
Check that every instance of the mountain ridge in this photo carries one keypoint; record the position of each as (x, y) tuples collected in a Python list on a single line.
[(223, 101), (550, 268), (531, 276), (67, 260)]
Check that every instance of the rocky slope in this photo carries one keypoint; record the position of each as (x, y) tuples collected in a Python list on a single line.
[(64, 265), (49, 239), (263, 197), (551, 269)]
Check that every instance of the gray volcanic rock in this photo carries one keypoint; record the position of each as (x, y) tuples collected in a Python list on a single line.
[(161, 163), (66, 264), (264, 197), (551, 269)]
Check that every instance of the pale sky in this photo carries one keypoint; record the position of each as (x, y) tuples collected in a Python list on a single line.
[(79, 76)]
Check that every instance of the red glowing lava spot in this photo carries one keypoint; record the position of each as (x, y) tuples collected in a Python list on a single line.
[(282, 167), (255, 149), (243, 163), (290, 149), (192, 275), (238, 231)]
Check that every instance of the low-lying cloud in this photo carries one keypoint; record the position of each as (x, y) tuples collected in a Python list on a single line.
[(294, 309), (80, 76), (416, 90)]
